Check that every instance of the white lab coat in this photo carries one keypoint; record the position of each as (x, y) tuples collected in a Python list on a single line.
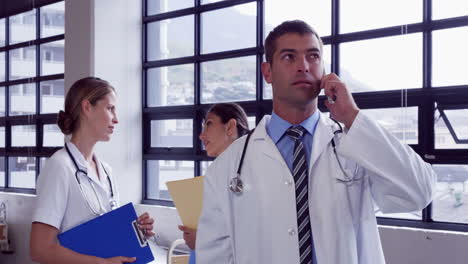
[(259, 225), (60, 202)]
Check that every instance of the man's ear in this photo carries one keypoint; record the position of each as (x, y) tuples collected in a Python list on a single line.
[(266, 71), (231, 127)]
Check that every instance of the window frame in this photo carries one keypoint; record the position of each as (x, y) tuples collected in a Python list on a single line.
[(38, 120), (424, 98)]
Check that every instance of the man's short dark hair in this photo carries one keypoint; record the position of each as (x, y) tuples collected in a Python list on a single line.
[(294, 26)]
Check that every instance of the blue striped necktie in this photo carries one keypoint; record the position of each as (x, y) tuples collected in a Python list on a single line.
[(301, 179)]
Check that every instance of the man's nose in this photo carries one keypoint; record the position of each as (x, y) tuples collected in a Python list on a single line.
[(202, 135), (303, 65)]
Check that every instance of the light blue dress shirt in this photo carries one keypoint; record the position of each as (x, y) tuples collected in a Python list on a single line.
[(276, 129)]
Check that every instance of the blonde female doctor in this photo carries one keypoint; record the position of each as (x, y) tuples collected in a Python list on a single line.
[(76, 186)]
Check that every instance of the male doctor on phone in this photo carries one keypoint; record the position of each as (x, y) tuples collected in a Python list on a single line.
[(307, 187)]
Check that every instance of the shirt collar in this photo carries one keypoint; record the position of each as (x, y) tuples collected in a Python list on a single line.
[(79, 158), (278, 126)]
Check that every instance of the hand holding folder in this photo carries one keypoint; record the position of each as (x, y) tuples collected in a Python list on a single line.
[(115, 233), (188, 199)]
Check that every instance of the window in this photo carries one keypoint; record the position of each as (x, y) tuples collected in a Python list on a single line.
[(403, 70), (31, 93)]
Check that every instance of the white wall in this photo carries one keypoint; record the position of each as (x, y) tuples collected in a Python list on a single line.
[(418, 246), (103, 39), (117, 59)]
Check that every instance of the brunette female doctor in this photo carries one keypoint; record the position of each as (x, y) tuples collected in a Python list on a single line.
[(75, 185)]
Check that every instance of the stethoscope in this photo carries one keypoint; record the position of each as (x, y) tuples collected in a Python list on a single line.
[(237, 185), (112, 201)]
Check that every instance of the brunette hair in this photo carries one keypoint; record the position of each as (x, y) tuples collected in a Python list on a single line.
[(294, 26), (226, 111), (90, 88)]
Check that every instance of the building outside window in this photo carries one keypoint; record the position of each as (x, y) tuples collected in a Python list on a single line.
[(31, 93)]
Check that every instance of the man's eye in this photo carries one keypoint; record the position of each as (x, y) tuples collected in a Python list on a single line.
[(315, 56), (288, 57)]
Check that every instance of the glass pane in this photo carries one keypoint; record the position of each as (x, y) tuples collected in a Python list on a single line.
[(366, 65), (23, 99), (2, 171), (52, 96), (204, 166), (251, 122), (23, 27), (443, 138), (2, 137), (53, 19), (449, 50), (369, 14), (2, 32), (172, 133), (23, 63), (53, 137), (52, 58), (401, 122), (229, 28), (451, 194), (278, 11), (2, 66), (228, 80), (22, 172), (161, 6), (170, 38), (173, 85), (161, 171), (444, 9), (23, 136), (2, 101)]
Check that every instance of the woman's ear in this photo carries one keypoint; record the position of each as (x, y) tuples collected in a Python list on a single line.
[(86, 107), (232, 127)]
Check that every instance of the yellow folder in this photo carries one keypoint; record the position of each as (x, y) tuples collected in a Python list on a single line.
[(188, 199)]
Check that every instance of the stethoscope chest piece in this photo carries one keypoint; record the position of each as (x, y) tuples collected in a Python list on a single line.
[(113, 204), (236, 185)]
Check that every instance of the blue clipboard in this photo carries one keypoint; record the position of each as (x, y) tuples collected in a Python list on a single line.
[(113, 234)]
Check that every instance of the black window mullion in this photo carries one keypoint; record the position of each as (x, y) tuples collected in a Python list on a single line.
[(7, 150), (335, 51), (7, 104), (198, 117), (7, 172), (426, 120), (260, 26)]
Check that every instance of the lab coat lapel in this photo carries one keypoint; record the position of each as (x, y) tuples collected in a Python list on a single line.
[(267, 146), (322, 137)]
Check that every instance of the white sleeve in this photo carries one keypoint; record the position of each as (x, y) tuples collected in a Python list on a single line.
[(214, 243), (400, 180), (52, 193)]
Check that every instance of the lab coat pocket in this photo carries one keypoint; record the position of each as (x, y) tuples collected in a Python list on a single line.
[(349, 172), (354, 182)]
